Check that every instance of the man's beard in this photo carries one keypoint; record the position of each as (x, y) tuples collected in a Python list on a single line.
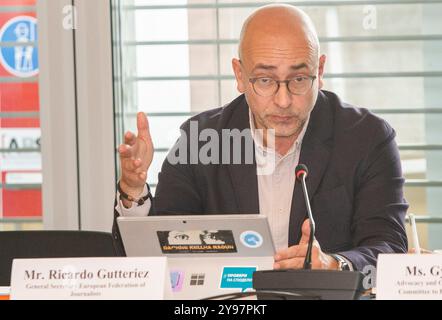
[(287, 129)]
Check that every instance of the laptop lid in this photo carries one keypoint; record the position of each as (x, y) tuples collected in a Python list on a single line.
[(197, 236)]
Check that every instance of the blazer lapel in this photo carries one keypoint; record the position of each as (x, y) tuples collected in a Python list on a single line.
[(243, 176), (245, 187), (315, 154)]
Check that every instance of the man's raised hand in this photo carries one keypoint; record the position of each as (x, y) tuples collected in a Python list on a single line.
[(136, 155)]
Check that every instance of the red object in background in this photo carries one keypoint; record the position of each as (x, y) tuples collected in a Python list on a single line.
[(21, 203), (18, 97), (5, 3)]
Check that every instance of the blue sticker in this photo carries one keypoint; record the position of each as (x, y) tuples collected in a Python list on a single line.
[(237, 278), (21, 58), (251, 239)]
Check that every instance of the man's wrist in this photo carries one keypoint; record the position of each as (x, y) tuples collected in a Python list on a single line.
[(333, 263), (128, 201), (131, 191), (341, 263)]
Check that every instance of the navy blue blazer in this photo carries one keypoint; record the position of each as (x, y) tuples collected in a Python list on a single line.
[(355, 181)]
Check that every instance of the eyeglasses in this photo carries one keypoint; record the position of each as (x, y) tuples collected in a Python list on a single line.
[(267, 87)]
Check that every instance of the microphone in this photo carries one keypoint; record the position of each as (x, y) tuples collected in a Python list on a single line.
[(307, 283), (301, 174)]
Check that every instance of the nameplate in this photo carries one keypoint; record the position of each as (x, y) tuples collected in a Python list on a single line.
[(90, 279), (409, 277)]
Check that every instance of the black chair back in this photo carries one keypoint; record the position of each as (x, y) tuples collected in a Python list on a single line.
[(50, 244)]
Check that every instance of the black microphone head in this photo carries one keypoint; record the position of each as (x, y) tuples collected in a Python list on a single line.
[(301, 169)]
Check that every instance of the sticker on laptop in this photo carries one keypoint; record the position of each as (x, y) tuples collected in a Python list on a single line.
[(197, 241), (237, 278), (177, 280), (251, 239), (197, 279)]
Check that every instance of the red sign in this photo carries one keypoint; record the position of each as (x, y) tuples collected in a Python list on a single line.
[(19, 172)]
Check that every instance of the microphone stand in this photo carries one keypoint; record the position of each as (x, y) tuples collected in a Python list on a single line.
[(325, 284), (308, 256)]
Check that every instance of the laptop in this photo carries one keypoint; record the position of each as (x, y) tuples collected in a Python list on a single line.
[(208, 255)]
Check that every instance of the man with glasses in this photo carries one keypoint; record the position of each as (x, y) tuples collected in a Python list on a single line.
[(355, 180)]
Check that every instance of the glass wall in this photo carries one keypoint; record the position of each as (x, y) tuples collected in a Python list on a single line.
[(20, 158), (173, 59)]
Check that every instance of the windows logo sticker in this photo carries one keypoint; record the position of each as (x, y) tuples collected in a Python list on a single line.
[(197, 279), (251, 239), (21, 58)]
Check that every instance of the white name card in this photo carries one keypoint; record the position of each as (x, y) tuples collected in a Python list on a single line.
[(409, 277), (90, 279)]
